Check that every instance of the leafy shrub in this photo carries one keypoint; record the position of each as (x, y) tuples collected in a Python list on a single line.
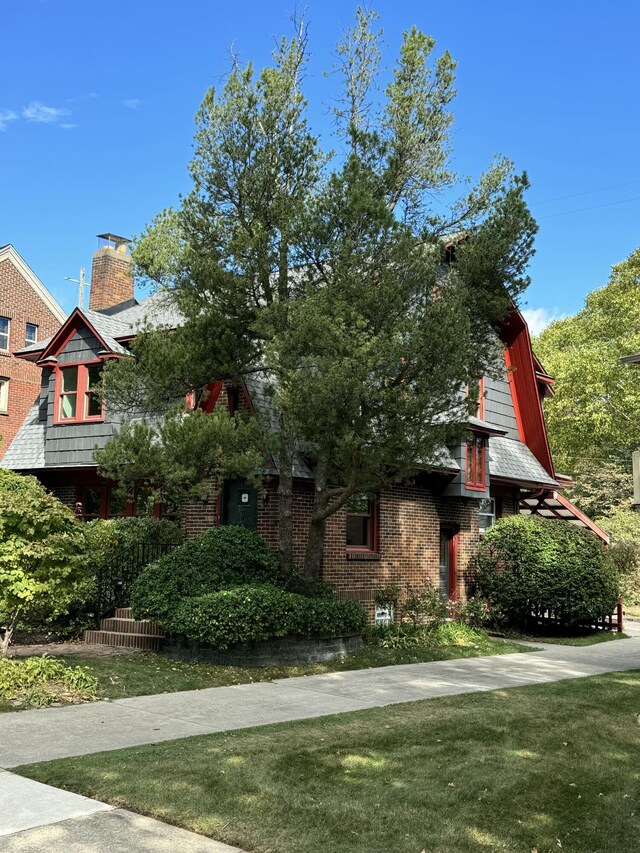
[(40, 681), (624, 552), (476, 612), (107, 536), (43, 559), (221, 558), (528, 564), (414, 605), (255, 613), (434, 636)]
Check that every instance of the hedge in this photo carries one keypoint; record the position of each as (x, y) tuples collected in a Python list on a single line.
[(528, 564), (255, 613), (221, 558)]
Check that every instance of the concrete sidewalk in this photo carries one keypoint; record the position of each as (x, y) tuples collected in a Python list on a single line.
[(36, 817), (31, 736)]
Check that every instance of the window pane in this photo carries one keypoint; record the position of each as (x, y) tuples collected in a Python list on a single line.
[(470, 451), (94, 375), (117, 502), (358, 527), (4, 334), (91, 501), (4, 395), (67, 406), (69, 379), (31, 333), (93, 406)]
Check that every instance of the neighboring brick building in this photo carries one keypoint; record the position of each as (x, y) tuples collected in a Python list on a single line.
[(28, 313), (425, 530)]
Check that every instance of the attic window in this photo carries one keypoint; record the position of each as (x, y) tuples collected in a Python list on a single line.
[(4, 334), (78, 393), (31, 334)]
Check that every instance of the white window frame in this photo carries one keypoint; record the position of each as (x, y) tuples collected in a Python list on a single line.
[(27, 339), (492, 515), (4, 395), (7, 333)]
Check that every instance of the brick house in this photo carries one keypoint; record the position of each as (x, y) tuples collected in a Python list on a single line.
[(28, 313), (424, 530)]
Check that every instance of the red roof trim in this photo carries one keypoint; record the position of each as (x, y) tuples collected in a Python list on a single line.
[(68, 329), (583, 518)]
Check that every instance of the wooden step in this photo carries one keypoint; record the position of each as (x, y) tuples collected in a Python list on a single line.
[(130, 626), (123, 613), (124, 640)]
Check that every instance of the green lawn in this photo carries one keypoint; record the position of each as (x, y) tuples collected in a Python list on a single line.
[(545, 768), (141, 674)]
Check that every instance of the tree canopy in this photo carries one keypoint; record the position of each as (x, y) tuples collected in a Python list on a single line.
[(594, 419), (348, 281)]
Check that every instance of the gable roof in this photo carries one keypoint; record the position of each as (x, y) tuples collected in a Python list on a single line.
[(8, 253)]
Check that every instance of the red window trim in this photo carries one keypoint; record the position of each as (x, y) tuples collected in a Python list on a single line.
[(373, 548), (81, 393), (476, 483)]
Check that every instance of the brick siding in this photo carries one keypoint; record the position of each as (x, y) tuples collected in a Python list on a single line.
[(20, 303)]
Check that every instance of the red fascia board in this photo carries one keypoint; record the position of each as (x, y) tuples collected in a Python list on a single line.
[(68, 329), (583, 518), (519, 359)]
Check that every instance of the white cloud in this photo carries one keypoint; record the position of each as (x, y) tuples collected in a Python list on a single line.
[(7, 116), (131, 103), (539, 318), (41, 113), (67, 126)]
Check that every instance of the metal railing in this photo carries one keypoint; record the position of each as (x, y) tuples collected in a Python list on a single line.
[(115, 577)]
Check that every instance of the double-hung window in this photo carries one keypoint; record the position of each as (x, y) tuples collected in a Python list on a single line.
[(475, 467), (362, 524), (4, 334), (486, 514), (78, 393)]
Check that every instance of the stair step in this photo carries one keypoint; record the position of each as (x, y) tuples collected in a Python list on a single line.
[(130, 626), (123, 613), (124, 641)]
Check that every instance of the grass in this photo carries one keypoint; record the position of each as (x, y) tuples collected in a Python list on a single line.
[(543, 768), (589, 639), (145, 673)]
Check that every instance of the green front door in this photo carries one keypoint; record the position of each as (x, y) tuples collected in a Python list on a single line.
[(240, 504)]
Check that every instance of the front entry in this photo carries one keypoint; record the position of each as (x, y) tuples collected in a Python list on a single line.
[(239, 504), (449, 563)]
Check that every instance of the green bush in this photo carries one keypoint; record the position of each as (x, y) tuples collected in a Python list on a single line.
[(223, 557), (255, 613), (40, 681), (105, 537), (528, 564)]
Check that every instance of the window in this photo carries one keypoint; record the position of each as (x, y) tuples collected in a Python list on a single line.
[(362, 523), (31, 334), (78, 393), (475, 467), (4, 334), (4, 396), (92, 497), (486, 514), (475, 388)]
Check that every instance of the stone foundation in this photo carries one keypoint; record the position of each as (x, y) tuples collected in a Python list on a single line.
[(274, 652)]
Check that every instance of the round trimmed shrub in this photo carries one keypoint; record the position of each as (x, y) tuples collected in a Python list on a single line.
[(253, 614), (529, 564), (222, 557)]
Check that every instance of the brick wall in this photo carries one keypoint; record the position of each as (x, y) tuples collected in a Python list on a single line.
[(20, 303)]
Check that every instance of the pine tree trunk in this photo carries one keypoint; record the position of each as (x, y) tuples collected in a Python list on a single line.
[(317, 525), (285, 503)]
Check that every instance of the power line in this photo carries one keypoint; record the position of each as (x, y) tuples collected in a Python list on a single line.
[(592, 207), (586, 192)]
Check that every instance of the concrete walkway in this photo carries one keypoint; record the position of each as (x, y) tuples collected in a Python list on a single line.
[(41, 735), (36, 817)]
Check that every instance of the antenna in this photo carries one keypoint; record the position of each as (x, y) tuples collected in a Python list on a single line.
[(81, 284)]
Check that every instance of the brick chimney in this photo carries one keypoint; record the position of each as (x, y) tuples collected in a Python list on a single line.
[(111, 273)]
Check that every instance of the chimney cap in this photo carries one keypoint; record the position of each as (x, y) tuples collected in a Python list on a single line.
[(121, 243)]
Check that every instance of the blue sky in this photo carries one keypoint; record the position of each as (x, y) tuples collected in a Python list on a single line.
[(97, 104)]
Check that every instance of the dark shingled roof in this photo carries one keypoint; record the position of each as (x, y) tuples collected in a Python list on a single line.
[(26, 451), (510, 459)]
